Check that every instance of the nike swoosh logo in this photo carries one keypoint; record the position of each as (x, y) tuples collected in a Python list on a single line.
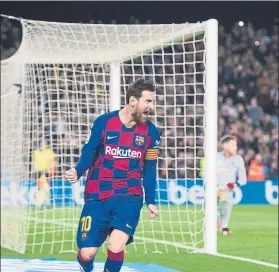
[(128, 226), (112, 137)]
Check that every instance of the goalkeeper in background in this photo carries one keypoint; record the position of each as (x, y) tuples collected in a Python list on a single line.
[(121, 148), (231, 173), (44, 166)]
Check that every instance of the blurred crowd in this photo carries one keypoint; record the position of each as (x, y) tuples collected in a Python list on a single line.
[(248, 95), (248, 99)]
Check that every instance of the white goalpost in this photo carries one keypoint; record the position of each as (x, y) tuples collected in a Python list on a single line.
[(61, 78)]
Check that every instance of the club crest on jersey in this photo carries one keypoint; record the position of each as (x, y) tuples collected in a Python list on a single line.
[(139, 140), (83, 236)]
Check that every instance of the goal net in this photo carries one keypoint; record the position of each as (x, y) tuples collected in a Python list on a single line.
[(62, 77)]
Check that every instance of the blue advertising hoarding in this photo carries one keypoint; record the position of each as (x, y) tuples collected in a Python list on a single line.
[(178, 192)]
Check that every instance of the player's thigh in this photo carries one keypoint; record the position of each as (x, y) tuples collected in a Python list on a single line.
[(230, 197), (126, 213), (222, 195), (117, 240), (93, 225), (38, 196), (226, 196), (47, 192)]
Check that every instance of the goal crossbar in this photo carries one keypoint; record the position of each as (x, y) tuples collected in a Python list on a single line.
[(104, 43)]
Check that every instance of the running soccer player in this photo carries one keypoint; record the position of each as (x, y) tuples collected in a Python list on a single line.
[(231, 173), (122, 147)]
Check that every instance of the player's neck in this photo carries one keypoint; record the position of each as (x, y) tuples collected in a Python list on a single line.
[(227, 155), (126, 117)]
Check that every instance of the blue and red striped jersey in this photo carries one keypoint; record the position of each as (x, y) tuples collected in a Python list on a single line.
[(119, 160)]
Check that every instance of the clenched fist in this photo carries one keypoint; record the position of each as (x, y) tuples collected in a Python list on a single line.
[(71, 175), (152, 211)]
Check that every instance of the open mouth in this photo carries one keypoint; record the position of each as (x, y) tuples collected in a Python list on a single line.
[(145, 113)]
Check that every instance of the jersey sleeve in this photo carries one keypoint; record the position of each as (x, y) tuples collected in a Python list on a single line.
[(242, 176), (91, 147), (150, 166)]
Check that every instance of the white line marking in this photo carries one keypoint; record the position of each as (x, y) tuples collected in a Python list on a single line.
[(180, 245), (248, 260), (197, 250)]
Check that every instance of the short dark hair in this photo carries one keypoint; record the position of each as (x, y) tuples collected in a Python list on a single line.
[(138, 86), (227, 138)]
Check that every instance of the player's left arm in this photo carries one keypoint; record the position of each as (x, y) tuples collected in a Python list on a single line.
[(149, 172), (241, 172)]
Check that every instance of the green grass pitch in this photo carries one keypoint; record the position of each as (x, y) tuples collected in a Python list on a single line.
[(255, 236)]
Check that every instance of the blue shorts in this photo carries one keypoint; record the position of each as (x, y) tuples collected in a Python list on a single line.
[(99, 218)]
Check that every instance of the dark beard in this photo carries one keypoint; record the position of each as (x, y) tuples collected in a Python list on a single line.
[(137, 117)]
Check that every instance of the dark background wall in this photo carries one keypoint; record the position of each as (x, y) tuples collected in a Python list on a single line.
[(260, 13)]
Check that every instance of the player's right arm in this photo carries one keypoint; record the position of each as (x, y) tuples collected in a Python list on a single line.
[(89, 152)]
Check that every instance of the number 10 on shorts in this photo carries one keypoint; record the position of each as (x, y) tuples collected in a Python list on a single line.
[(86, 223)]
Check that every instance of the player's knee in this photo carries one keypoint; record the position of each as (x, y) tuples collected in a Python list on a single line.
[(89, 253), (116, 248), (116, 245)]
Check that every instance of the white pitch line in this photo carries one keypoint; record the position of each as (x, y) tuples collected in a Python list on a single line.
[(248, 260), (195, 250)]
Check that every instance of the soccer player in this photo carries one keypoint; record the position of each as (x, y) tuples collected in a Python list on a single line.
[(121, 149), (231, 173), (44, 165)]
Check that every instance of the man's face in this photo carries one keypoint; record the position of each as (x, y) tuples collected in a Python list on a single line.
[(143, 106), (231, 147)]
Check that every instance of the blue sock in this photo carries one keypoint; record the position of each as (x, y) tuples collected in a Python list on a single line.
[(114, 261), (87, 266)]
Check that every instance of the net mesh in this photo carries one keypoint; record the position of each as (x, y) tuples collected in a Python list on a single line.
[(14, 227), (66, 77)]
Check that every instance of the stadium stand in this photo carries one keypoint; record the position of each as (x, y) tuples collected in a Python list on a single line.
[(248, 100)]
